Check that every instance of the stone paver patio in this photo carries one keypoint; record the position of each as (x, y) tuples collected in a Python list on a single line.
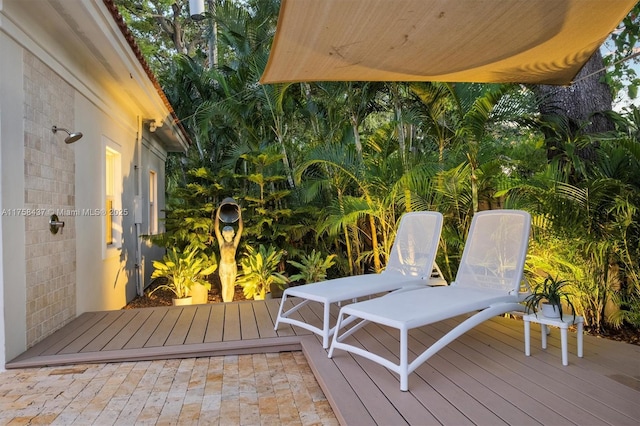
[(267, 389)]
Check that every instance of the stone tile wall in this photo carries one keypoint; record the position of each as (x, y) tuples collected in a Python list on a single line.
[(49, 169)]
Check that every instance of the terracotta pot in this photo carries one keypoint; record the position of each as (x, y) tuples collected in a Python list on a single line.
[(183, 301)]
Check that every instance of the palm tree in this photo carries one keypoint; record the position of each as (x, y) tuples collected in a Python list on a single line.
[(593, 207), (434, 106), (474, 113)]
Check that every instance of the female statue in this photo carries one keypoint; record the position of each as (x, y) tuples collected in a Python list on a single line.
[(228, 241)]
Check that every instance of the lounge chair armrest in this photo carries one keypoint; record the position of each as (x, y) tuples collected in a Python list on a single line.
[(524, 291)]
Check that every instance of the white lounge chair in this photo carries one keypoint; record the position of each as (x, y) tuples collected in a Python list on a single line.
[(488, 280), (411, 262)]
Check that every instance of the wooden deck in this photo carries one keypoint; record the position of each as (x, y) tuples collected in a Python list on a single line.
[(481, 378)]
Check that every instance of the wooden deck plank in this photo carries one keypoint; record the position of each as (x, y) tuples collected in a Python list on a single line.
[(581, 369), (164, 329), (92, 333), (198, 328), (215, 325), (231, 328), (312, 314), (55, 338), (283, 329), (485, 388), (612, 365), (537, 402), (263, 318), (110, 332), (364, 374), (588, 397), (434, 388), (248, 325), (547, 390), (181, 328), (579, 373), (411, 408), (126, 333), (345, 402), (140, 338), (74, 334), (445, 380), (371, 396), (592, 369), (498, 393), (238, 347)]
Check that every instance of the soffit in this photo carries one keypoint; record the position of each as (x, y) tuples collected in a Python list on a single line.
[(84, 37)]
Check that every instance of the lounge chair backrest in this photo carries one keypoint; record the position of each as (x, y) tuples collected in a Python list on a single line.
[(416, 243), (495, 251)]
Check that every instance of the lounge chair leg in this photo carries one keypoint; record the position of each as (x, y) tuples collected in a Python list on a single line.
[(325, 327), (404, 361), (284, 298), (335, 334)]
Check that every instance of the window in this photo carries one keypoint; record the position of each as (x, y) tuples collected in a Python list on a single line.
[(112, 197), (153, 208), (110, 161)]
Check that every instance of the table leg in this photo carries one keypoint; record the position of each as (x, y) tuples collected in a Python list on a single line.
[(579, 339), (543, 330), (527, 336), (563, 340)]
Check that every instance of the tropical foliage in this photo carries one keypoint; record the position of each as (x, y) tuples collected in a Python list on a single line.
[(260, 271), (312, 267), (183, 269)]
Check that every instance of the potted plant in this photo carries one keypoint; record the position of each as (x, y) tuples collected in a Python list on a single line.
[(312, 268), (183, 270), (200, 287), (259, 272), (547, 298)]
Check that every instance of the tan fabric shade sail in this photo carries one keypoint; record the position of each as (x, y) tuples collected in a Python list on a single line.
[(523, 41)]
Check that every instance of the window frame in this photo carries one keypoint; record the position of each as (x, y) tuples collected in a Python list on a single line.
[(153, 202), (111, 177)]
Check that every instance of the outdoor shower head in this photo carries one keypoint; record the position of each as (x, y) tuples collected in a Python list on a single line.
[(72, 136)]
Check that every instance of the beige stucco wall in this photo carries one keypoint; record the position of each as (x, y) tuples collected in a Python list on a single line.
[(105, 277), (154, 160)]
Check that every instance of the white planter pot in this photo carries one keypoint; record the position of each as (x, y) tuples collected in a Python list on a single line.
[(550, 311), (183, 301), (262, 296)]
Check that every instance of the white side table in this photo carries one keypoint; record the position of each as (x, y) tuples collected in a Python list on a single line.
[(562, 323)]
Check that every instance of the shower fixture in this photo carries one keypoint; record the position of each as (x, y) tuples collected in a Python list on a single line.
[(72, 136)]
